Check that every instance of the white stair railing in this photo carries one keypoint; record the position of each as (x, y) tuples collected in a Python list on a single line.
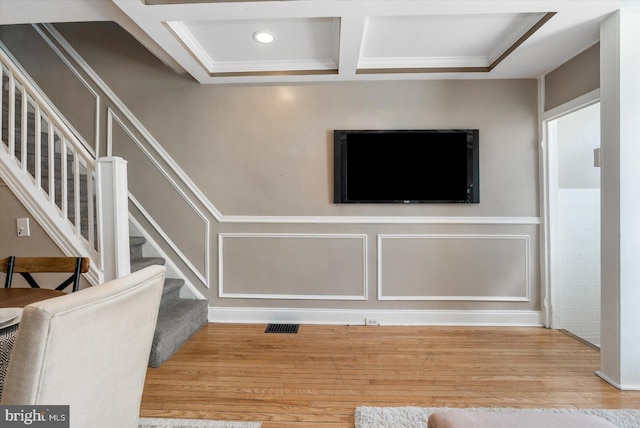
[(121, 128), (50, 170)]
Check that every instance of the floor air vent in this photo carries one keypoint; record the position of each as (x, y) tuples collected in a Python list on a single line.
[(282, 328)]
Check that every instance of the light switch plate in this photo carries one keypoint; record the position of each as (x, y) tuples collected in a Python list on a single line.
[(23, 227)]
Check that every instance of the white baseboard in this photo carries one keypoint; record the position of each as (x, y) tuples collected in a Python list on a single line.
[(381, 317), (625, 387)]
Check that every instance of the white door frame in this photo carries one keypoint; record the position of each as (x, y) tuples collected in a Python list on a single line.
[(549, 189)]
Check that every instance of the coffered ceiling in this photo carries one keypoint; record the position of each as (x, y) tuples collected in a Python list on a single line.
[(342, 40)]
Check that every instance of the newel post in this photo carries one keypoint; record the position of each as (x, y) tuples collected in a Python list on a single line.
[(113, 216)]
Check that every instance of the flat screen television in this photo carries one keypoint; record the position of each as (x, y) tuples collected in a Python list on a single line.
[(406, 166)]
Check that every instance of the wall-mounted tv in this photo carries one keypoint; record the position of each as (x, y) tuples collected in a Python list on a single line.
[(406, 166)]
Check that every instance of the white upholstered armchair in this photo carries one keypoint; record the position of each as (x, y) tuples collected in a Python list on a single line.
[(88, 350)]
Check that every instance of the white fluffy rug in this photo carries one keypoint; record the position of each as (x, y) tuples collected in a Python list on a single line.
[(416, 417), (193, 423)]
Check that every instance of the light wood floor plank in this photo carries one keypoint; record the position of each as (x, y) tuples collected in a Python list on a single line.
[(318, 376)]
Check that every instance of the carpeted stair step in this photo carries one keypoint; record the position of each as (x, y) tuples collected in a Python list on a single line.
[(178, 319), (171, 290), (177, 322), (143, 262), (135, 246)]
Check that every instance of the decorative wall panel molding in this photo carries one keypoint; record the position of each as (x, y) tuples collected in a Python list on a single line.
[(292, 266), (485, 267), (92, 93), (198, 222)]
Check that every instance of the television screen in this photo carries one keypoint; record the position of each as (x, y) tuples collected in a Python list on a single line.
[(406, 166)]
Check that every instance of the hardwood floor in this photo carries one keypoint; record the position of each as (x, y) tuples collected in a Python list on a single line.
[(318, 376)]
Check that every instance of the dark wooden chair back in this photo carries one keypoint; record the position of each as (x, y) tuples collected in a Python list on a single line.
[(25, 266)]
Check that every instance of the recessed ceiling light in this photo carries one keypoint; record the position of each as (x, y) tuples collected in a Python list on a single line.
[(264, 37)]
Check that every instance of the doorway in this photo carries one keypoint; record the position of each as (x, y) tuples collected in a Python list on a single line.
[(574, 201)]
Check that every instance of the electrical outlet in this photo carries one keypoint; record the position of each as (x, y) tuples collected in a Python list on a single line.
[(371, 321)]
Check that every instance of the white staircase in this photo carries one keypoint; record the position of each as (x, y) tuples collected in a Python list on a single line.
[(81, 202)]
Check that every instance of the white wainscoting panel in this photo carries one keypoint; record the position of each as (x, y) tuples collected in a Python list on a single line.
[(292, 266), (454, 267)]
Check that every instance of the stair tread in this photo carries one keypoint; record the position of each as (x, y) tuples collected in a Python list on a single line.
[(171, 290), (173, 283), (143, 262), (137, 240)]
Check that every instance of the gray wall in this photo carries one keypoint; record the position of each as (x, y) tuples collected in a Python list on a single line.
[(37, 244), (263, 156), (574, 78), (10, 243)]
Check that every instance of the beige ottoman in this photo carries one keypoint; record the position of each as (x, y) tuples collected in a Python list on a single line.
[(520, 419)]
